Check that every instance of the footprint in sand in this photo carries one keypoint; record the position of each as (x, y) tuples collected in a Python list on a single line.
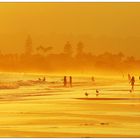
[(85, 124), (104, 123)]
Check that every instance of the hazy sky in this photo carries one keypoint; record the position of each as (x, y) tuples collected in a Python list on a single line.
[(102, 27)]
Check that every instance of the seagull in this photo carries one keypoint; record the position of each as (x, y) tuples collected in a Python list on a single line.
[(130, 91), (97, 92), (86, 94)]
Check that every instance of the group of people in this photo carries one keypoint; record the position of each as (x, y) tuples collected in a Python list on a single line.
[(66, 82)]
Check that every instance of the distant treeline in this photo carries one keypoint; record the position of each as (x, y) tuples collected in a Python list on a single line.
[(42, 60)]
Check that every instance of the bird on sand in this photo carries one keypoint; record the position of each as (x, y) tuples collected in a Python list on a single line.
[(97, 92), (130, 90), (86, 94)]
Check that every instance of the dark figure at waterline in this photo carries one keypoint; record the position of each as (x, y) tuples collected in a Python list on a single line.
[(92, 78), (132, 82), (44, 79), (65, 81), (70, 81)]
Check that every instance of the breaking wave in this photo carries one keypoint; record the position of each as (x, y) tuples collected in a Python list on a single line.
[(17, 84)]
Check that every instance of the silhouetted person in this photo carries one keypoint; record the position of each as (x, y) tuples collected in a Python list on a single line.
[(123, 75), (129, 77), (70, 81), (44, 79), (92, 78), (139, 77), (132, 82), (65, 81)]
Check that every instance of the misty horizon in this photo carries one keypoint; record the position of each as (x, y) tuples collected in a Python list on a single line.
[(70, 70), (102, 27), (117, 44), (69, 59)]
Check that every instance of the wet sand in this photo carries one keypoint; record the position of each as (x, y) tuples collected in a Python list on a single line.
[(51, 110)]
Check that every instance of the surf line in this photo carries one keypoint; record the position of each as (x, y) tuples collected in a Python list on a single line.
[(108, 98)]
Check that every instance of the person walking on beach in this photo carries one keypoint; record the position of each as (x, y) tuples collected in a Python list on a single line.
[(132, 82), (70, 81), (65, 81)]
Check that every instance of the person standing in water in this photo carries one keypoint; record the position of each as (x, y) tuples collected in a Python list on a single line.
[(132, 82), (70, 81), (65, 81)]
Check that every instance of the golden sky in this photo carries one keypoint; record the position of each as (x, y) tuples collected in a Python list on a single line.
[(102, 27)]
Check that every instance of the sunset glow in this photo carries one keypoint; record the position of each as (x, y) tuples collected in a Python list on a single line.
[(70, 70)]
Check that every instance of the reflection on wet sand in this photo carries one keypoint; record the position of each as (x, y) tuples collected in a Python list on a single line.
[(52, 110)]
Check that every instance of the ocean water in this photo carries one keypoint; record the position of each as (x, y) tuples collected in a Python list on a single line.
[(21, 83)]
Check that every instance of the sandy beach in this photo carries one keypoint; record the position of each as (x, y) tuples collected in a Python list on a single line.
[(69, 69), (51, 110)]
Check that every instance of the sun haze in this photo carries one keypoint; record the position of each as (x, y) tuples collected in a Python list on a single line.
[(106, 31), (69, 70), (102, 27)]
